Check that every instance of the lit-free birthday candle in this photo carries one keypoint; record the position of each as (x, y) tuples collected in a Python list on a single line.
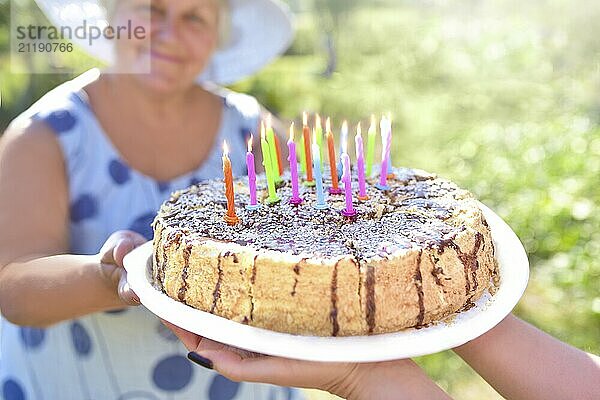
[(295, 200), (267, 164), (231, 218), (371, 145), (334, 189), (320, 203), (360, 165), (307, 152), (386, 136), (347, 179), (251, 177)]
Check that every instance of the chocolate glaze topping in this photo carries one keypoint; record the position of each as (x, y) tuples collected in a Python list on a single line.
[(419, 210)]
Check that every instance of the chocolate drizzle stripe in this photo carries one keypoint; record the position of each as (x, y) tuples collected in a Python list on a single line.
[(419, 286), (253, 277), (371, 308), (251, 291), (184, 274), (161, 272), (157, 260), (333, 315), (165, 248), (470, 263), (475, 261), (217, 292), (436, 271), (297, 272)]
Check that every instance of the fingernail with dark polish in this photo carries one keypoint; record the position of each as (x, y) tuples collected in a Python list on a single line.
[(198, 359)]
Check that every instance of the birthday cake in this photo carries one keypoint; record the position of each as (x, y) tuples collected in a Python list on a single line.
[(413, 255)]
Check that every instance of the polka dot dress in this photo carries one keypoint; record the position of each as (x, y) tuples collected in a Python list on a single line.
[(123, 354)]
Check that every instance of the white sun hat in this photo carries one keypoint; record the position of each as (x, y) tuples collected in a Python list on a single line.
[(259, 31)]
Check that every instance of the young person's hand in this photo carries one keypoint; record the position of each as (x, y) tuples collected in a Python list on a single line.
[(523, 362), (400, 379), (111, 255)]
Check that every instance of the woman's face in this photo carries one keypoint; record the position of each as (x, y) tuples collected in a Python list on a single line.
[(181, 37)]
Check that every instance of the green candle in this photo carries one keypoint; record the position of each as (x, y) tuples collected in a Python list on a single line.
[(371, 145), (266, 153), (272, 149), (302, 157)]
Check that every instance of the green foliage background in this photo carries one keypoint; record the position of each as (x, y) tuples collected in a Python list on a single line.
[(500, 96)]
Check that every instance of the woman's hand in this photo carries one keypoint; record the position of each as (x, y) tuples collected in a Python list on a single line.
[(397, 379), (116, 247)]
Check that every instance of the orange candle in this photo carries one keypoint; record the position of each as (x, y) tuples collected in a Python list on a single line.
[(307, 150), (334, 189), (278, 151), (231, 218)]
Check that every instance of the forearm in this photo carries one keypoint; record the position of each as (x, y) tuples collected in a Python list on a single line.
[(522, 362), (402, 379), (48, 290)]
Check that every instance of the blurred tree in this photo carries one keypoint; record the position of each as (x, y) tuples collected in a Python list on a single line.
[(332, 14)]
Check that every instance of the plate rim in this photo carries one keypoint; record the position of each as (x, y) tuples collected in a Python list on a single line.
[(489, 311)]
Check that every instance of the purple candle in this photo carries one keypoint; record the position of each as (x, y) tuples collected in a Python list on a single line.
[(251, 177), (360, 165), (295, 200), (386, 136), (347, 179)]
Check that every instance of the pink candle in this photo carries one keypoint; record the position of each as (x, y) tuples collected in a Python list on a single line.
[(295, 200), (347, 179), (251, 177), (360, 165), (386, 134)]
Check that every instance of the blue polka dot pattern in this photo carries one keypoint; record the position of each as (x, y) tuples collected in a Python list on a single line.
[(172, 373), (11, 390), (61, 121), (222, 388), (82, 343), (245, 133), (142, 225), (194, 181), (165, 333), (289, 392), (116, 312), (85, 207), (119, 172), (77, 99), (163, 186), (32, 337), (272, 394)]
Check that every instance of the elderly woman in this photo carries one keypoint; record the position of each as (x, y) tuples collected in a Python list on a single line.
[(84, 171)]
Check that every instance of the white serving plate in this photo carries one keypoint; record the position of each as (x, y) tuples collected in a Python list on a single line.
[(457, 330)]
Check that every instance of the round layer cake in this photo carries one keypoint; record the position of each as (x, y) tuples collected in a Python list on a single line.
[(414, 254)]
